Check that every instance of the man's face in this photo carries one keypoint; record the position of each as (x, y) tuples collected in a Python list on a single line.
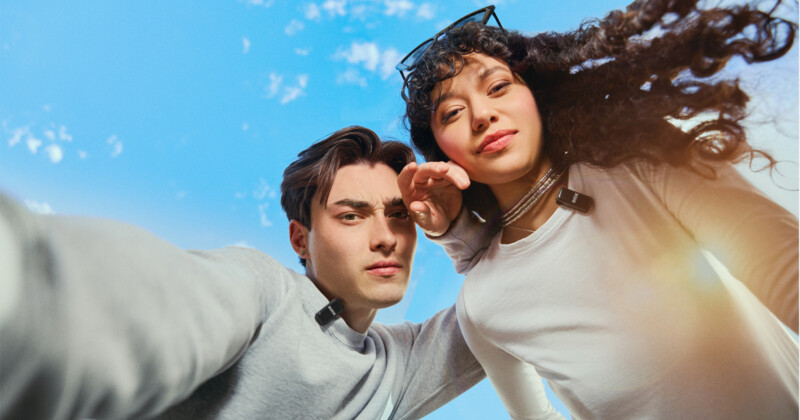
[(361, 242)]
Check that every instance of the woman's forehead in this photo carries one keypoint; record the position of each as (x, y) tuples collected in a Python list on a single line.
[(476, 67)]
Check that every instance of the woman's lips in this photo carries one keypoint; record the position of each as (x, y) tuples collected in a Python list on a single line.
[(496, 141)]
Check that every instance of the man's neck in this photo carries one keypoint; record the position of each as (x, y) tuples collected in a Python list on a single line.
[(359, 319)]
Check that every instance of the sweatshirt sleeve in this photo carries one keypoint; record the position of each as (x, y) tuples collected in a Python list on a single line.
[(104, 320), (435, 362), (755, 238), (466, 240)]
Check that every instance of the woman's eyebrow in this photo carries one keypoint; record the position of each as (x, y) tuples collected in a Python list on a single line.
[(490, 71)]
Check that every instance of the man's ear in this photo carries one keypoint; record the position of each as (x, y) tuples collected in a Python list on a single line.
[(298, 237)]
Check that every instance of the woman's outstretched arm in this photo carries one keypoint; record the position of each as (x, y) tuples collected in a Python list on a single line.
[(755, 238)]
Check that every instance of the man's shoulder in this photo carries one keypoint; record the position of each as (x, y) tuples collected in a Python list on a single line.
[(408, 330)]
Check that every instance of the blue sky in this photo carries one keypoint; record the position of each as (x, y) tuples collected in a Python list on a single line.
[(181, 116)]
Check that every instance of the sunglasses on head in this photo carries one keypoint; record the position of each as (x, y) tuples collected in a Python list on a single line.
[(482, 15)]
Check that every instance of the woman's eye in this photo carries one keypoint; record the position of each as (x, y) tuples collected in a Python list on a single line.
[(449, 115), (497, 87)]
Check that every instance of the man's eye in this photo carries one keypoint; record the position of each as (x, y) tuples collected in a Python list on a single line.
[(349, 216), (400, 214)]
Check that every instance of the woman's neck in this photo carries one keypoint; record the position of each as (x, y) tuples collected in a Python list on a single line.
[(510, 193)]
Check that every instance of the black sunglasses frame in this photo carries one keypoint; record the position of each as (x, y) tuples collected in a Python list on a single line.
[(486, 12)]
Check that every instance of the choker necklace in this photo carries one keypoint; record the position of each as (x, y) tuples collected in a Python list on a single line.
[(526, 203)]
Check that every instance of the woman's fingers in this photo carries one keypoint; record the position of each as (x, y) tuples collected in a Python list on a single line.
[(432, 193), (427, 174)]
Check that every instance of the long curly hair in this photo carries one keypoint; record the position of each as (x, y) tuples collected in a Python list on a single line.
[(643, 83)]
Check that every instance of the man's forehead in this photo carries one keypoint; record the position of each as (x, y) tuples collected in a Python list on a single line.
[(373, 184)]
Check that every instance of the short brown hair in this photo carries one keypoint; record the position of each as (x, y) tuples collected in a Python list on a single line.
[(316, 167)]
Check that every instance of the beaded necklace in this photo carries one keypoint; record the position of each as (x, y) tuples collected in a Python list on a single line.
[(526, 203)]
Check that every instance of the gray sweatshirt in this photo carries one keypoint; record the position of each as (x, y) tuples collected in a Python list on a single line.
[(102, 319)]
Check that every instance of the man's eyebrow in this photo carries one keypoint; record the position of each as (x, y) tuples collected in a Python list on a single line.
[(483, 75), (356, 204), (395, 202)]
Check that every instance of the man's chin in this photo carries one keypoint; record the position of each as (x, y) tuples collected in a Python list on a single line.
[(389, 295)]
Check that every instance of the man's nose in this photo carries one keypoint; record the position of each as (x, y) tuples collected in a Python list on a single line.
[(383, 237)]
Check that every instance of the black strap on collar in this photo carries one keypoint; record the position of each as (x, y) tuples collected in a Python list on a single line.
[(329, 312)]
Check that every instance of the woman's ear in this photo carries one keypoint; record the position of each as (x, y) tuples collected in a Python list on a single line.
[(298, 237)]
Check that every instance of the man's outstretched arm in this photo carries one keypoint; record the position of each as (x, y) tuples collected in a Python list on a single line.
[(103, 319)]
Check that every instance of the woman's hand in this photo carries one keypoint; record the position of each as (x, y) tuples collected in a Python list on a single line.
[(432, 194)]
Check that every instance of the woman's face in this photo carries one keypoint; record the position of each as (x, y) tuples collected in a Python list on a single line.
[(486, 120)]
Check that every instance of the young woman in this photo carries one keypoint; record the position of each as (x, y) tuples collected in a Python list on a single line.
[(599, 162)]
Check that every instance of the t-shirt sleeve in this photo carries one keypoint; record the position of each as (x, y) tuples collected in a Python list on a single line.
[(466, 240), (755, 238), (103, 319), (436, 362)]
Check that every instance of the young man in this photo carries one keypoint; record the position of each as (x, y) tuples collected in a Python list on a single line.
[(100, 319)]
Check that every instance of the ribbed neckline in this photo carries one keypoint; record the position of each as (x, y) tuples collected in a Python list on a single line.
[(313, 301)]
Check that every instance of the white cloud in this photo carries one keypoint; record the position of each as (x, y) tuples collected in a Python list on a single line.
[(397, 7), (116, 144), (275, 81), (426, 11), (265, 3), (289, 93), (62, 134), (82, 154), (389, 60), (335, 7), (263, 190), (262, 211), (46, 107), (240, 195), (33, 143), (302, 80), (311, 11), (54, 152), (180, 195), (294, 27), (293, 92), (245, 45), (245, 126), (351, 76), (39, 207), (302, 51), (366, 53), (16, 135), (50, 134), (370, 56), (359, 11)]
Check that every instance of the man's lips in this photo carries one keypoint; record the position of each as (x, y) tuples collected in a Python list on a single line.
[(496, 141), (385, 268)]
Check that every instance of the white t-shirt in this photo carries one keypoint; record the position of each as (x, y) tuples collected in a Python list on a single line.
[(619, 310)]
